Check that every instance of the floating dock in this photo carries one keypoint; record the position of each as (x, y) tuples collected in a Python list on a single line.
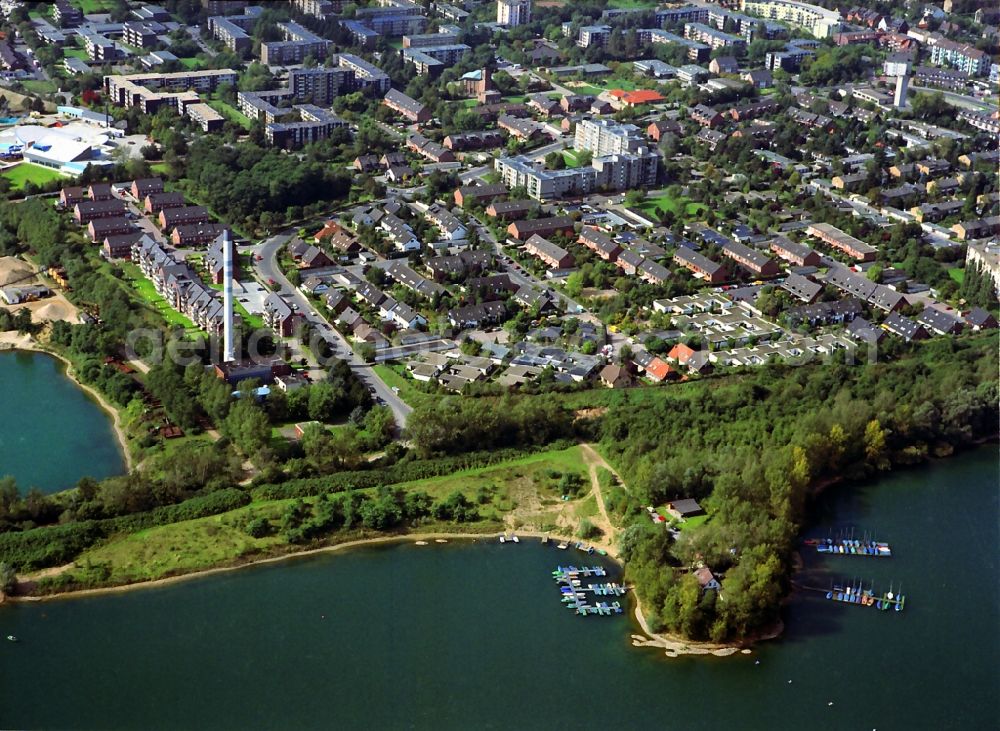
[(849, 547), (867, 598), (575, 594)]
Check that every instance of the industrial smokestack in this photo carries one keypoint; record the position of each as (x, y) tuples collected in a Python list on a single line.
[(228, 354), (899, 100)]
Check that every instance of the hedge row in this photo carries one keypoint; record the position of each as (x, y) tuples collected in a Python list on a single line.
[(400, 472)]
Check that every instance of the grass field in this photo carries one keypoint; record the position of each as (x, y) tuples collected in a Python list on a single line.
[(35, 86), (957, 273), (26, 172), (571, 158), (680, 207), (528, 486), (160, 168), (409, 390), (94, 6), (190, 64), (230, 112), (75, 53), (148, 292)]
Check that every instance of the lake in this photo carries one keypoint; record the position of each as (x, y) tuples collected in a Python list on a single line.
[(474, 636), (53, 432)]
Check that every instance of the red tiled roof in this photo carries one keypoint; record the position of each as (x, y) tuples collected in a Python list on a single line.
[(658, 369), (641, 96)]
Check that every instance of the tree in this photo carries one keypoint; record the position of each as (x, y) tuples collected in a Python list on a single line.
[(247, 427), (875, 447), (8, 578)]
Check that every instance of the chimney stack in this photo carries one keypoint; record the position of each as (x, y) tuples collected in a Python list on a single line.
[(228, 354)]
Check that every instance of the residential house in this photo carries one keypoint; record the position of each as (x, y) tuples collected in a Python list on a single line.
[(554, 257), (471, 194), (195, 234), (600, 244), (156, 202), (100, 228), (523, 230), (904, 327), (940, 322), (616, 376), (145, 186), (278, 315), (86, 211), (701, 265), (170, 218)]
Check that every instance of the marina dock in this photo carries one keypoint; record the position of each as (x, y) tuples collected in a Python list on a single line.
[(575, 594)]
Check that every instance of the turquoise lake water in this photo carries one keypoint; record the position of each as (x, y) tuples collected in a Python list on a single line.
[(52, 432)]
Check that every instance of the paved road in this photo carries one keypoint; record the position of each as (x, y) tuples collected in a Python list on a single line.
[(267, 269)]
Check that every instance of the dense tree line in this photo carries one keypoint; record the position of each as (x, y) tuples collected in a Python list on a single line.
[(751, 448), (454, 424), (257, 187)]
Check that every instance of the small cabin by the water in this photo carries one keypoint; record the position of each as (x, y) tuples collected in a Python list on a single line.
[(706, 579)]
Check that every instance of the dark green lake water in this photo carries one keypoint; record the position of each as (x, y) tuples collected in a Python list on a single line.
[(52, 432), (473, 636)]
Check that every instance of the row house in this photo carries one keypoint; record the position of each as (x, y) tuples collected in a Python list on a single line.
[(279, 316), (119, 246), (472, 194), (825, 313), (750, 259), (599, 243), (508, 210), (180, 286), (877, 295), (699, 264), (195, 234), (87, 211), (523, 230), (429, 149), (156, 202), (142, 187), (933, 212), (404, 275), (99, 228), (483, 140), (802, 288), (479, 315), (71, 195), (406, 106), (555, 257), (451, 228), (400, 233), (795, 253), (170, 218), (459, 265), (706, 116), (836, 238)]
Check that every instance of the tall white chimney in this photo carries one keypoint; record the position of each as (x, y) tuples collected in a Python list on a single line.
[(228, 354)]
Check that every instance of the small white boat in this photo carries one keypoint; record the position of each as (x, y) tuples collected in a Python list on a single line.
[(562, 546), (503, 539), (515, 539), (11, 638)]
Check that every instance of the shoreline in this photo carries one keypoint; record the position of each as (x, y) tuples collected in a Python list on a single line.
[(674, 646), (30, 345)]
